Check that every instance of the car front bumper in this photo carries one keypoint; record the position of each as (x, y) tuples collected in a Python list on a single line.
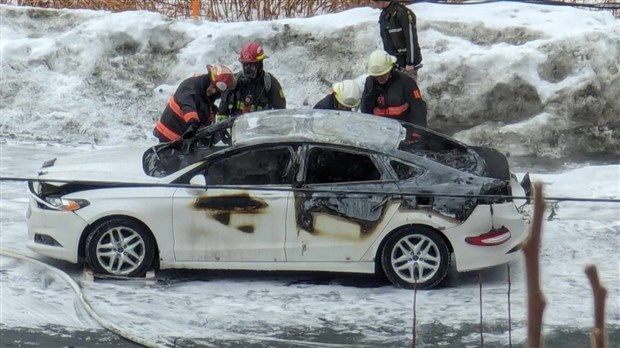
[(54, 233)]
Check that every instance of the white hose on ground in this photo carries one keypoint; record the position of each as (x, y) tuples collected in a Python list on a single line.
[(108, 325)]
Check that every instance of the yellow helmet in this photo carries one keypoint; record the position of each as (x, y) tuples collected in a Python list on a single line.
[(380, 63), (348, 93)]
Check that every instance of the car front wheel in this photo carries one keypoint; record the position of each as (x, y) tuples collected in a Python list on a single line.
[(416, 258), (119, 247)]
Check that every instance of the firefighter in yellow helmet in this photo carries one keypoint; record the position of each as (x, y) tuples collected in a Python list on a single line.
[(392, 93), (345, 95)]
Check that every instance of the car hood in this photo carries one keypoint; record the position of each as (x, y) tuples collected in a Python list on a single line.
[(119, 164)]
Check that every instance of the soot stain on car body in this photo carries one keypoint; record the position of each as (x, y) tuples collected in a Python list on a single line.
[(367, 211), (221, 208), (238, 203)]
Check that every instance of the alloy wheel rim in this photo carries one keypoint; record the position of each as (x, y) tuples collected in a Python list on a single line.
[(120, 250), (415, 258)]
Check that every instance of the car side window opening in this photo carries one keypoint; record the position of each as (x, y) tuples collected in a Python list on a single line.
[(254, 167), (406, 171), (328, 166)]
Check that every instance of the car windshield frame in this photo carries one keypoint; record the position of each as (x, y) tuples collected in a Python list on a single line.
[(165, 159)]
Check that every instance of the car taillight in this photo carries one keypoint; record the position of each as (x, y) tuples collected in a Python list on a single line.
[(493, 237)]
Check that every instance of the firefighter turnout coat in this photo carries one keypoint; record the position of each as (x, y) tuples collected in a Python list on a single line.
[(398, 98), (263, 92), (189, 106), (327, 103), (399, 34)]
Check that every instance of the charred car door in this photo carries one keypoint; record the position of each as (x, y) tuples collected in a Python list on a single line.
[(241, 215), (333, 220)]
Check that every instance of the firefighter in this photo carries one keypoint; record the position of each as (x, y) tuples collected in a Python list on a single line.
[(392, 93), (345, 95), (256, 88), (399, 34), (192, 105)]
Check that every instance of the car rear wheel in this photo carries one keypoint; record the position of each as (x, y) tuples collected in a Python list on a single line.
[(119, 247), (416, 258)]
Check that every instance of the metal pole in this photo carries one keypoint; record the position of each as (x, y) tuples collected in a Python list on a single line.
[(196, 9)]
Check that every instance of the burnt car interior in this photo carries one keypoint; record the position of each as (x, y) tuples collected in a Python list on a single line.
[(434, 146), (263, 166), (327, 165), (405, 171)]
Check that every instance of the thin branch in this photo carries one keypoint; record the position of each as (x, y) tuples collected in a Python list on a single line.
[(599, 334)]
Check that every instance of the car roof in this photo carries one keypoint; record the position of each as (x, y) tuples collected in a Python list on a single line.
[(321, 126)]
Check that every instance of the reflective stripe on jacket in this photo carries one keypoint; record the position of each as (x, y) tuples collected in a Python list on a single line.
[(398, 27), (264, 92), (187, 117), (189, 105), (167, 133), (391, 111)]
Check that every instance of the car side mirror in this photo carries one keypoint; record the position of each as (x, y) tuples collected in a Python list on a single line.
[(197, 181)]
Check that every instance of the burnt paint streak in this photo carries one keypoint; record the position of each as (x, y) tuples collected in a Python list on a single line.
[(222, 206), (240, 203), (246, 228), (223, 218)]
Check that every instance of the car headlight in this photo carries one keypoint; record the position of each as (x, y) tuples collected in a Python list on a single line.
[(66, 204)]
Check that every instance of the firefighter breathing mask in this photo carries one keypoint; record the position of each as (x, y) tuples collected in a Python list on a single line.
[(251, 57), (252, 70)]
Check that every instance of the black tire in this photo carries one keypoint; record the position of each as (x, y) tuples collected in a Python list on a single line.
[(120, 247), (417, 254)]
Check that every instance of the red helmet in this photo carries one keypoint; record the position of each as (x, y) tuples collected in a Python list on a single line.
[(222, 76), (252, 52)]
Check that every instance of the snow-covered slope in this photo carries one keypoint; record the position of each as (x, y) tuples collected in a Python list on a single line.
[(527, 79)]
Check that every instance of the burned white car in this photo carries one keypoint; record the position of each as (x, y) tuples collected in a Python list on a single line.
[(297, 190)]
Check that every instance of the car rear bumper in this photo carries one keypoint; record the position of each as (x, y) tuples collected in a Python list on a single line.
[(54, 233), (484, 219)]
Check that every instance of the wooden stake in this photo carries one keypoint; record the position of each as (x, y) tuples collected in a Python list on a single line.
[(531, 248), (509, 311), (599, 334), (415, 295), (481, 322)]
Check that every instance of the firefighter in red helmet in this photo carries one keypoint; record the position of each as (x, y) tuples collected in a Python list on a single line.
[(256, 88), (192, 105)]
